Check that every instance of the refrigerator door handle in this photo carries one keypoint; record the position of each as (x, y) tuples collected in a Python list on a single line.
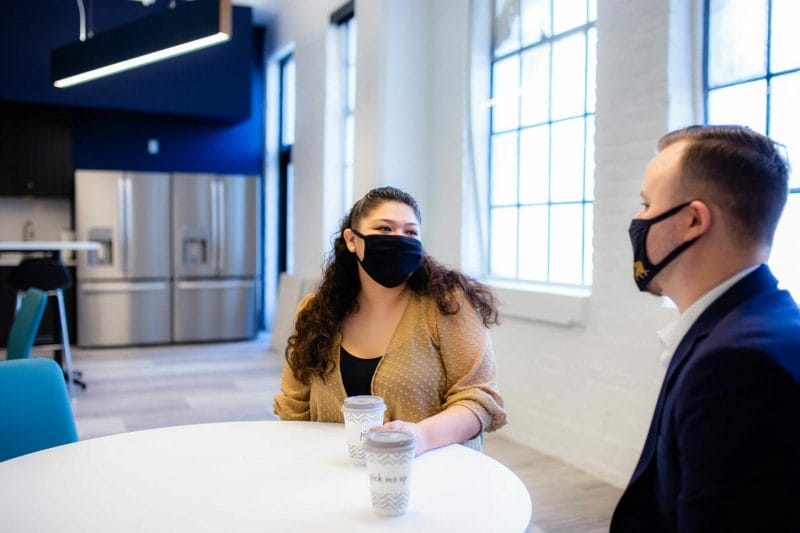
[(221, 244), (123, 287), (128, 221), (121, 237), (214, 255), (203, 285)]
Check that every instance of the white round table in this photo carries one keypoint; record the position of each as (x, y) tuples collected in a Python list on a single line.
[(247, 476)]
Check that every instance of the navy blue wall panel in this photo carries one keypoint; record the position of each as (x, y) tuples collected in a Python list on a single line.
[(213, 82), (118, 140), (205, 109)]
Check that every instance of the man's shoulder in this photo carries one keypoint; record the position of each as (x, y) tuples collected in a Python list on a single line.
[(763, 329), (772, 315)]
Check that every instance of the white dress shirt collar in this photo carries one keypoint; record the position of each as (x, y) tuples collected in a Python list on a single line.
[(672, 334)]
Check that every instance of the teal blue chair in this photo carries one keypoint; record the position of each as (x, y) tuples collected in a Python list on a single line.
[(35, 412), (26, 324)]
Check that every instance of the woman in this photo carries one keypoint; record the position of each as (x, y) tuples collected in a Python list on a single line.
[(388, 320)]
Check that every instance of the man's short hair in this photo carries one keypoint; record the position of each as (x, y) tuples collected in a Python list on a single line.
[(741, 171)]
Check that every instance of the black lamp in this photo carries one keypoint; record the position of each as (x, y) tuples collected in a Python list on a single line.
[(186, 27)]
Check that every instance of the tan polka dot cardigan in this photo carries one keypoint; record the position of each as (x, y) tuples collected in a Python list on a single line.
[(433, 361)]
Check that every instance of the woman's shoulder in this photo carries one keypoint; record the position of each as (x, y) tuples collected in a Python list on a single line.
[(459, 296), (304, 302), (456, 301)]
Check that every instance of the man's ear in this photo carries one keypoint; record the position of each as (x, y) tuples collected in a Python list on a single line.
[(701, 219)]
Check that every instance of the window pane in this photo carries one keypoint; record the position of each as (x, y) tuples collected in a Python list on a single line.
[(505, 113), (566, 168), (783, 260), (504, 169), (351, 88), (591, 70), (287, 103), (503, 256), (568, 14), (737, 40), (543, 99), (535, 85), (740, 104), (588, 191), (566, 245), (785, 119), (588, 235), (569, 60), (533, 243), (349, 136), (506, 26), (352, 34), (347, 195), (534, 163), (535, 20), (785, 37)]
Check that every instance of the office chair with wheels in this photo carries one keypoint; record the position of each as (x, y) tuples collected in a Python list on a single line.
[(35, 412), (26, 324)]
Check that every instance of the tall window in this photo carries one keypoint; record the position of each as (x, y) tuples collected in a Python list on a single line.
[(542, 131), (752, 77), (286, 169), (345, 20)]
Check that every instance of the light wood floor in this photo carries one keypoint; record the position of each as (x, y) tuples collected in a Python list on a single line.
[(140, 388)]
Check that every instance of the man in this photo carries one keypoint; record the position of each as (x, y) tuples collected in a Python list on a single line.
[(723, 450)]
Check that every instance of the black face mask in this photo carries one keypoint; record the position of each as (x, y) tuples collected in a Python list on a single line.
[(390, 259), (643, 270)]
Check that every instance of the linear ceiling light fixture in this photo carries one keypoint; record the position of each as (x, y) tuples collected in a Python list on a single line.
[(186, 27)]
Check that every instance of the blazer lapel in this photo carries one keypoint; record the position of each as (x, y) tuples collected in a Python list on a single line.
[(760, 280)]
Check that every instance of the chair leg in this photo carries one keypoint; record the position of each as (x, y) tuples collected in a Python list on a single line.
[(62, 315)]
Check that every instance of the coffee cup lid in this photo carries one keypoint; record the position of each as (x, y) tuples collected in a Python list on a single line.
[(357, 403), (395, 440)]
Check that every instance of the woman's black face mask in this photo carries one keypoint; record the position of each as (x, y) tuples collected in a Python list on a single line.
[(390, 259)]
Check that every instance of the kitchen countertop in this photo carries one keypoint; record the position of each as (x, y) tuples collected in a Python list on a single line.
[(11, 251), (47, 246)]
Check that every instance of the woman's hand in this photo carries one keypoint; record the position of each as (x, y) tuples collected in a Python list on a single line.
[(454, 424), (420, 435)]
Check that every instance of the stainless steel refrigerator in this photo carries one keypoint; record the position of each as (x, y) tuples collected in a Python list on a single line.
[(215, 233), (123, 289)]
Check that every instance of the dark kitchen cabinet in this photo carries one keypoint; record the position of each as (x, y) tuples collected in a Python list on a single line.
[(49, 328), (35, 151)]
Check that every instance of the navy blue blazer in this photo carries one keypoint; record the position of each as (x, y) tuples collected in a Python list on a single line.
[(723, 450)]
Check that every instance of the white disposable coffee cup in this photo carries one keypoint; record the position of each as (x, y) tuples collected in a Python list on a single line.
[(361, 413), (390, 455)]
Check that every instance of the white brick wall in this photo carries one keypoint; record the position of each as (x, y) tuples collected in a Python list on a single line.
[(585, 392)]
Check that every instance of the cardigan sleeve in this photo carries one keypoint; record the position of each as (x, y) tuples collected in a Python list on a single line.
[(293, 401), (468, 358)]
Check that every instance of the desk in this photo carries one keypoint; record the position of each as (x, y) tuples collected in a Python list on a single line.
[(247, 476)]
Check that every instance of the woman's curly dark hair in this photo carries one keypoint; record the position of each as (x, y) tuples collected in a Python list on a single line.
[(308, 351)]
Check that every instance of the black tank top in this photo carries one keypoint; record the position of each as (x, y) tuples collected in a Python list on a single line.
[(357, 373)]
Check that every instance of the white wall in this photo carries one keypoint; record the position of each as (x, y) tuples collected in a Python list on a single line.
[(302, 27), (51, 217), (581, 378)]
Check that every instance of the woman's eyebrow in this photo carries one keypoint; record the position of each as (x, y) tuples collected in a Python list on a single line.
[(394, 222)]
